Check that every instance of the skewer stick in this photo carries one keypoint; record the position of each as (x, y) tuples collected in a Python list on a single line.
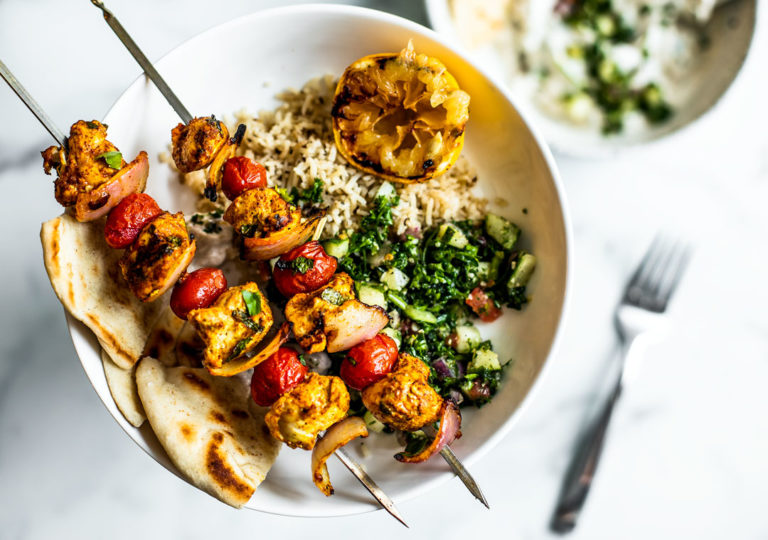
[(356, 469), (145, 64), (458, 468), (32, 105), (174, 101)]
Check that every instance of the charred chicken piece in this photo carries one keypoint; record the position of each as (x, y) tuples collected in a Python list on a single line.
[(78, 165), (197, 143), (158, 256), (332, 317), (92, 174), (312, 406), (233, 325), (260, 212), (403, 399)]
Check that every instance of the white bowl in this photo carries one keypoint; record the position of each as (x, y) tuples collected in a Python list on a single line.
[(730, 31), (244, 63)]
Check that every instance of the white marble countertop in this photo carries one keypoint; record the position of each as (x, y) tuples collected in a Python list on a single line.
[(686, 456)]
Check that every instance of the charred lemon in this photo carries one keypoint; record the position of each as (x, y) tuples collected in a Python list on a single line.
[(400, 116)]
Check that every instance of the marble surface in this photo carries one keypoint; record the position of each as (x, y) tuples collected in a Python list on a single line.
[(686, 452)]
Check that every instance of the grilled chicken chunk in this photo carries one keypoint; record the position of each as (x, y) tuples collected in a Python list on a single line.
[(404, 399), (78, 166), (232, 326), (197, 143), (331, 316), (260, 212), (313, 405), (158, 256)]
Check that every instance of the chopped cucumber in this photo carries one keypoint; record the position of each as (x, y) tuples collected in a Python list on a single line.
[(397, 299), (452, 235), (521, 268), (484, 270), (371, 294), (396, 336), (468, 337), (420, 315), (484, 359), (386, 190), (378, 258), (336, 247), (395, 279), (502, 230), (372, 423)]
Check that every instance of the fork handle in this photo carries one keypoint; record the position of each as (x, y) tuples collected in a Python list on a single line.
[(582, 469)]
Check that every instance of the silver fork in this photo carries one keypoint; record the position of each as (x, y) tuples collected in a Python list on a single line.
[(640, 312)]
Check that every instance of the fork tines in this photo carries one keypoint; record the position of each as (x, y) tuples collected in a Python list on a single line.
[(658, 274)]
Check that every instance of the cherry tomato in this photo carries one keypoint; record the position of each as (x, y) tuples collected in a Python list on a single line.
[(242, 174), (198, 289), (126, 220), (303, 269), (276, 375), (369, 361), (482, 305)]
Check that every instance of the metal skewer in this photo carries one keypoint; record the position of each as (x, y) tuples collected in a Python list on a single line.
[(32, 105), (145, 64), (461, 471), (354, 467)]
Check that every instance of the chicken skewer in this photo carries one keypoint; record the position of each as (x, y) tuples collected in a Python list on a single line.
[(187, 118)]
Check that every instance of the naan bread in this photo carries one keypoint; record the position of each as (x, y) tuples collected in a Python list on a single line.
[(209, 427), (122, 386), (161, 342), (85, 276)]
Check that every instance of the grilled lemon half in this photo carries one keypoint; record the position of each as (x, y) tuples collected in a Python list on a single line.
[(400, 116)]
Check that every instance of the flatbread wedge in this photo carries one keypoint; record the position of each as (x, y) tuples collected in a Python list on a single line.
[(209, 427), (122, 386), (85, 276)]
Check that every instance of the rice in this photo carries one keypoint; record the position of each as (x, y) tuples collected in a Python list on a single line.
[(295, 144)]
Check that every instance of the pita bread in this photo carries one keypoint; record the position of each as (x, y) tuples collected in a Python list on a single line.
[(209, 427), (161, 342), (122, 386), (85, 276)]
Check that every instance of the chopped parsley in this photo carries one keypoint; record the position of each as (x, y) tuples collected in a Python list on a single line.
[(249, 230), (238, 349), (313, 194), (209, 221), (252, 302), (242, 316), (302, 265), (332, 296), (113, 159)]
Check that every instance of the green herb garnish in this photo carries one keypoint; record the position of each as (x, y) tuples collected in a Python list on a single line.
[(252, 302), (302, 265), (249, 231), (242, 316), (113, 159), (332, 296), (313, 194), (238, 349), (303, 360)]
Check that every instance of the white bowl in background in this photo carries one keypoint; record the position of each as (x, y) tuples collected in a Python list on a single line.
[(730, 32), (244, 63)]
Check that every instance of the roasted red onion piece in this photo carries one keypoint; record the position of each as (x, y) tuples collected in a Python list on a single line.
[(334, 438), (279, 242), (130, 179), (243, 363), (450, 429), (353, 323)]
